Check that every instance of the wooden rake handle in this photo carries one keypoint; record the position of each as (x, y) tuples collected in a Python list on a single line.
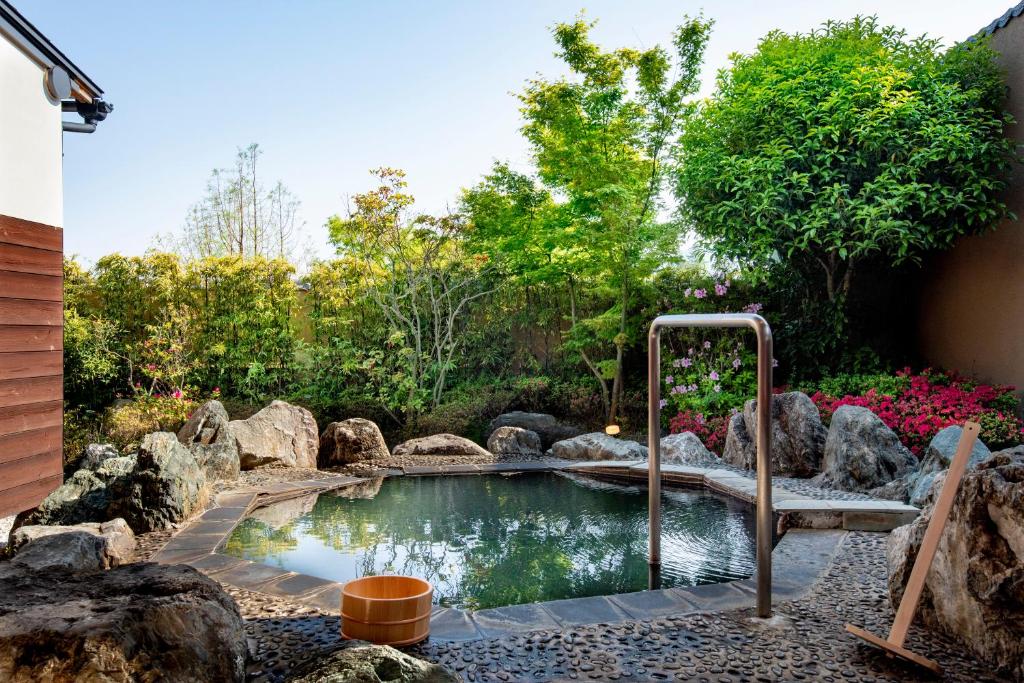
[(930, 542)]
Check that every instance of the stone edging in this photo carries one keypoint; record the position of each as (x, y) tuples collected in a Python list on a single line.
[(798, 559)]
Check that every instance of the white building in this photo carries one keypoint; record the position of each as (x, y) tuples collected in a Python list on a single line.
[(37, 83)]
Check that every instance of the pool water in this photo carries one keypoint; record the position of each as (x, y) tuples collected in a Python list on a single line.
[(493, 540)]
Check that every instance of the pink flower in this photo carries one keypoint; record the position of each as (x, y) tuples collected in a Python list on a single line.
[(701, 293), (718, 388), (177, 393), (669, 379), (692, 387), (736, 363), (687, 291), (662, 403), (713, 376), (690, 352), (753, 308), (720, 290), (686, 362), (707, 345)]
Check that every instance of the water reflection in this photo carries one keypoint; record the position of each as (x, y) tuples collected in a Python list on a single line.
[(485, 541)]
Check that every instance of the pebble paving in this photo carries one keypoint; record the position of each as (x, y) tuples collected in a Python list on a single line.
[(804, 641)]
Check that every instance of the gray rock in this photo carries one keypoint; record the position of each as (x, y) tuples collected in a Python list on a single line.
[(547, 427), (974, 588), (207, 425), (84, 497), (862, 453), (208, 438), (349, 441), (365, 663), (937, 458), (83, 547), (140, 622), (167, 486), (280, 435), (798, 437), (686, 449), (439, 444), (515, 442), (115, 468), (598, 446), (219, 461), (94, 454)]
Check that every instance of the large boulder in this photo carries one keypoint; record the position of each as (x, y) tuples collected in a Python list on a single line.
[(598, 446), (83, 547), (84, 497), (862, 453), (349, 441), (280, 435), (141, 622), (514, 442), (547, 427), (439, 444), (797, 434), (167, 486), (686, 448), (937, 457), (975, 588), (365, 663), (208, 424), (208, 438)]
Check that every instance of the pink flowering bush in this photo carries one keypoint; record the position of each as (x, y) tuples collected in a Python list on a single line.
[(709, 430), (917, 406)]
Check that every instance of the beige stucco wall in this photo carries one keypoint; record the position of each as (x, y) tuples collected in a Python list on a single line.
[(972, 308), (30, 142)]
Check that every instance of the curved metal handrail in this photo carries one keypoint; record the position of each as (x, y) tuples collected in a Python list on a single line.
[(764, 459)]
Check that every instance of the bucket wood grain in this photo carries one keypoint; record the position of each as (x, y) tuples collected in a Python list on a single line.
[(386, 610)]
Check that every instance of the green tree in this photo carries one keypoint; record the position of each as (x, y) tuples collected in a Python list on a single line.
[(415, 271), (822, 150), (600, 139)]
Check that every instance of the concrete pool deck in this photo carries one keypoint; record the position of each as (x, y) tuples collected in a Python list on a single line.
[(798, 560)]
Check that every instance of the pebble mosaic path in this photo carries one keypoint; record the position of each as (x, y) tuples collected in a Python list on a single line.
[(821, 580), (804, 641)]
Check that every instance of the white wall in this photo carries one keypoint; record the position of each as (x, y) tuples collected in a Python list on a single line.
[(30, 142)]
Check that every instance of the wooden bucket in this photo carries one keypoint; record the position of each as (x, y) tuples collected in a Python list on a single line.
[(386, 610)]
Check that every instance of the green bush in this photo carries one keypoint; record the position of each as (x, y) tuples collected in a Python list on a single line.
[(124, 425)]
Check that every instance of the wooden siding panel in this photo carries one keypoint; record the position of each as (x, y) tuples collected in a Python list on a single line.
[(32, 468), (18, 392), (24, 418), (29, 312), (24, 444), (31, 260), (26, 496), (30, 286), (30, 234), (30, 364), (31, 338)]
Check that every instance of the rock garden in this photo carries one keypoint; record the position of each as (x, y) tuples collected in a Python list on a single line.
[(79, 598)]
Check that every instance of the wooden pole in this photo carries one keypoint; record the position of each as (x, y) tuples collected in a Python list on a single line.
[(929, 545)]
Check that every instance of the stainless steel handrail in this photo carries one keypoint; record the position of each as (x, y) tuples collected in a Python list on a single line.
[(763, 442)]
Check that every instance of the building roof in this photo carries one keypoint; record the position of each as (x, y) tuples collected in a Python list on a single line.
[(38, 47), (1002, 21)]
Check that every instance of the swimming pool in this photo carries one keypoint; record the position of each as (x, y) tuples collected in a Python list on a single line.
[(494, 540)]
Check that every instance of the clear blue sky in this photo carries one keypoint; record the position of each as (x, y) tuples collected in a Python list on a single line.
[(331, 89)]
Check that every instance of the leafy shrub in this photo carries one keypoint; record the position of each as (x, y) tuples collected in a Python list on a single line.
[(81, 428), (931, 401), (467, 412), (125, 425)]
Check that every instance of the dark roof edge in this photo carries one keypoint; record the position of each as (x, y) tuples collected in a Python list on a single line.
[(29, 38), (1002, 21)]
